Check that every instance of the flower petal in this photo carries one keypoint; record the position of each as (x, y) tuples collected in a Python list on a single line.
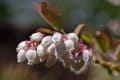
[(57, 37), (31, 56), (36, 36), (46, 41), (21, 56), (69, 44)]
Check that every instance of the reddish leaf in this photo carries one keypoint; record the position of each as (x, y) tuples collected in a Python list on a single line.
[(50, 13)]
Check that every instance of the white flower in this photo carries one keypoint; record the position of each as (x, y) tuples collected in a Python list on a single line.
[(36, 36), (21, 56), (21, 45), (41, 53), (40, 50), (46, 41), (87, 55), (51, 50), (57, 37), (73, 36), (31, 56), (69, 45)]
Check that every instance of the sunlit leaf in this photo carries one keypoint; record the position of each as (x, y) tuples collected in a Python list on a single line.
[(45, 30), (50, 13), (102, 41)]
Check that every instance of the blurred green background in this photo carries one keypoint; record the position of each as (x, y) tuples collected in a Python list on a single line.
[(18, 20)]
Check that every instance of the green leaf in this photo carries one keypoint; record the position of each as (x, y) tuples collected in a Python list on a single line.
[(102, 41), (87, 36), (50, 13)]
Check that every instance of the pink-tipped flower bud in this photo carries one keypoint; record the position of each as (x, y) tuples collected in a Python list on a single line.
[(21, 56), (57, 37), (36, 36), (46, 41), (31, 56)]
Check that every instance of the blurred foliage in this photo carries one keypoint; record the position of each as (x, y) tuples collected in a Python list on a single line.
[(4, 11)]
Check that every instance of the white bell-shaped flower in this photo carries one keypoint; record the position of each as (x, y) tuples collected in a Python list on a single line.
[(21, 56), (87, 55), (51, 50), (40, 50), (46, 41), (57, 37), (31, 56), (41, 53), (36, 36), (73, 36), (69, 45), (21, 45)]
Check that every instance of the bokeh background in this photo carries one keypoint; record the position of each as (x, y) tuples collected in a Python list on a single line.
[(18, 20)]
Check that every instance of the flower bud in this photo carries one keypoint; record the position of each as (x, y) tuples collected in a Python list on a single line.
[(51, 49), (36, 36), (21, 56), (40, 50), (21, 45), (73, 36), (57, 37), (87, 55), (31, 56), (46, 41), (69, 45)]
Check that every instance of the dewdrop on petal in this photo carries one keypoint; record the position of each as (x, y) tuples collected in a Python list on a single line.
[(21, 45), (46, 41), (36, 36), (69, 45), (21, 56), (57, 37), (31, 56)]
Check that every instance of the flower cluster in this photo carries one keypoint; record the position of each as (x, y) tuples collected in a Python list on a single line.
[(67, 49)]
